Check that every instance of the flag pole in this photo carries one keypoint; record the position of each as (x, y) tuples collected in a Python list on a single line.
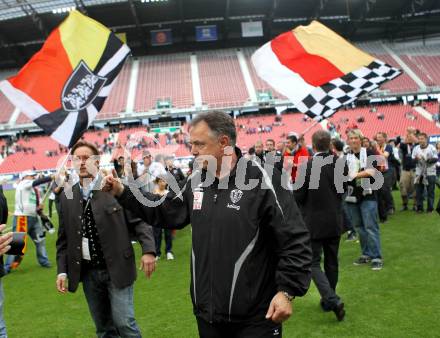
[(57, 173)]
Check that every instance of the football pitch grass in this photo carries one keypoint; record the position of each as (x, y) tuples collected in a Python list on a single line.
[(402, 300)]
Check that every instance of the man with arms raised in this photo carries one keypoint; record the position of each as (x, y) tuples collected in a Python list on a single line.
[(94, 247), (251, 251)]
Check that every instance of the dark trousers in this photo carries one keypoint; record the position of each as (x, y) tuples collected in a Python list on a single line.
[(420, 193), (326, 280), (158, 240), (385, 198), (50, 207), (111, 308), (262, 328)]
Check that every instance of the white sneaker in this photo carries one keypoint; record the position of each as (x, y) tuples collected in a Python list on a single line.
[(157, 258), (170, 256)]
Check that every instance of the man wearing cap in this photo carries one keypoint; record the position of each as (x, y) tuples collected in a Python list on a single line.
[(26, 218), (149, 170)]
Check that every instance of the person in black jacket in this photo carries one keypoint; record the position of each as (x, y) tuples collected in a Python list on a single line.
[(321, 205), (5, 241), (251, 251)]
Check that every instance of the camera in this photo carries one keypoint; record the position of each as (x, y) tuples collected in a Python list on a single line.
[(17, 244)]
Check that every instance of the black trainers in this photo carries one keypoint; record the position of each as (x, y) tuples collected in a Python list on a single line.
[(404, 208), (324, 306), (376, 265), (362, 260), (339, 312)]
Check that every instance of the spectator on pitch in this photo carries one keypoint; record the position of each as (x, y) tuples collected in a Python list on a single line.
[(148, 171), (397, 161), (5, 241), (281, 147), (362, 202), (385, 197), (426, 157), (270, 145), (323, 215), (337, 147), (437, 165), (52, 197), (259, 151), (250, 248), (270, 149), (408, 174), (173, 170), (161, 190), (94, 247), (295, 153), (26, 218)]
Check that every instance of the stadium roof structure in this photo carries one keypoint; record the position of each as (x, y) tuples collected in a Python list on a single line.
[(25, 24)]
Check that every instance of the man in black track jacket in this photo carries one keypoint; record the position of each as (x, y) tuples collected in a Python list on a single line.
[(251, 253)]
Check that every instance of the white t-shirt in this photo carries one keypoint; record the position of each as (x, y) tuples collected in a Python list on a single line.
[(155, 170), (25, 199), (422, 167)]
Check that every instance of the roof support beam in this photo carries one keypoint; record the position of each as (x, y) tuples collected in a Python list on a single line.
[(271, 17), (81, 7), (182, 21), (226, 21), (32, 13), (319, 8), (141, 32), (13, 51)]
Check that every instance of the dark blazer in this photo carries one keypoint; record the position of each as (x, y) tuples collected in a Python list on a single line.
[(3, 220), (115, 228), (321, 207)]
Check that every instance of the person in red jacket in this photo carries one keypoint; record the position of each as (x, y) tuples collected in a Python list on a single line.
[(295, 154)]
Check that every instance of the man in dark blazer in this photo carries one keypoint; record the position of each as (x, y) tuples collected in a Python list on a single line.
[(5, 241), (321, 205), (94, 247)]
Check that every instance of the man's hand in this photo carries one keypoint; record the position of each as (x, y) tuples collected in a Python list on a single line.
[(112, 184), (148, 264), (62, 283), (5, 240), (280, 309)]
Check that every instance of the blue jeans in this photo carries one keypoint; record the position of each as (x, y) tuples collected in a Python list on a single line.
[(420, 193), (111, 308), (364, 219), (3, 333), (158, 240), (36, 233)]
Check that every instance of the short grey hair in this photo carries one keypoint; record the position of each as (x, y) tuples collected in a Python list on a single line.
[(219, 122)]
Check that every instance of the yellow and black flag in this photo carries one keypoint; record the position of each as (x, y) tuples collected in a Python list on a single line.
[(64, 85)]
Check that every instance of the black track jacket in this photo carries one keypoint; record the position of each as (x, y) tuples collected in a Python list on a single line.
[(246, 244)]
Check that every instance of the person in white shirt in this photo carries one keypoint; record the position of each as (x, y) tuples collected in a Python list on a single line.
[(425, 156), (26, 218), (148, 171)]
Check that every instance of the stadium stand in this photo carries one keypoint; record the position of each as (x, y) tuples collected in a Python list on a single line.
[(117, 99), (164, 77), (6, 109), (221, 79), (22, 119), (259, 84), (396, 119), (403, 83)]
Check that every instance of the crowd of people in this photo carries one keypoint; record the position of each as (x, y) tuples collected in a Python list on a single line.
[(235, 227)]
